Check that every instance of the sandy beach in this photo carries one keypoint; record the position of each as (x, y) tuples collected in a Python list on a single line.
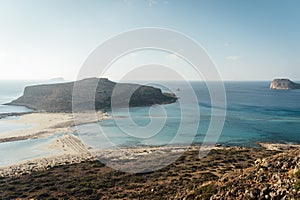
[(68, 148), (46, 124), (75, 165), (43, 124)]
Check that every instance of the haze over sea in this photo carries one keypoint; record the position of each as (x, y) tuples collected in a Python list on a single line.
[(254, 114)]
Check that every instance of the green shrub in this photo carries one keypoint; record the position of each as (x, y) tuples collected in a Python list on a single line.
[(297, 185), (206, 191), (297, 174)]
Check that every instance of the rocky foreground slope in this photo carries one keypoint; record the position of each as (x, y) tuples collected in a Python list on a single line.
[(283, 84), (58, 97), (226, 173), (275, 177)]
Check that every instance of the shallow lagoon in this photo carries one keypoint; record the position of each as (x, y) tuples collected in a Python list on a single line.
[(254, 114), (18, 151)]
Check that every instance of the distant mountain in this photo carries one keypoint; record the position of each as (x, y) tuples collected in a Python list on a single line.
[(58, 97), (284, 84), (55, 80)]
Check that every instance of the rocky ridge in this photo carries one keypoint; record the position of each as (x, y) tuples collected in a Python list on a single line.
[(274, 177), (59, 97), (283, 84)]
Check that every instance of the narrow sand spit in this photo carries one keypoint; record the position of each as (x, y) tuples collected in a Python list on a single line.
[(42, 123), (69, 149), (46, 124)]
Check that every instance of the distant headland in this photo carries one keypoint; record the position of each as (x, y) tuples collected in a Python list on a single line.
[(284, 84), (58, 97)]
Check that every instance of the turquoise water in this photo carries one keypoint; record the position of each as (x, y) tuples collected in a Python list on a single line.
[(18, 151), (6, 126), (254, 114)]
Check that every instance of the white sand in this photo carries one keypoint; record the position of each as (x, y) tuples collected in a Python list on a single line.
[(43, 163), (68, 144), (69, 148), (278, 146), (46, 124), (42, 124)]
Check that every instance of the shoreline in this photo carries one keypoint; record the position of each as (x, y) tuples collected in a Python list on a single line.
[(69, 150), (13, 114), (278, 146), (66, 147), (45, 124), (225, 173), (72, 151)]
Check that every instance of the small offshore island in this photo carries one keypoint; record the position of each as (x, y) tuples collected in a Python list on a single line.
[(283, 84)]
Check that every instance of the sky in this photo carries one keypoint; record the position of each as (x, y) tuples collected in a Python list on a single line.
[(247, 40)]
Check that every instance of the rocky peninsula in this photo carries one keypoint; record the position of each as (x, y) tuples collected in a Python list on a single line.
[(58, 97), (284, 84)]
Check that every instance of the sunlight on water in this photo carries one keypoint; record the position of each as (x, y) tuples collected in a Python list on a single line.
[(254, 114)]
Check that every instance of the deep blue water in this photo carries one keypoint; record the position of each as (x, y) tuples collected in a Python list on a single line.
[(254, 114)]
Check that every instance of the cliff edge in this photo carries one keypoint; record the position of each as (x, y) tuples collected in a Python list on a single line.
[(58, 97), (284, 84)]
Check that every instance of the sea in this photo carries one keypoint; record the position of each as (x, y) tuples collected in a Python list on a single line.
[(254, 113)]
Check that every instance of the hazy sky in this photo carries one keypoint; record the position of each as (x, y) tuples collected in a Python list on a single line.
[(247, 39)]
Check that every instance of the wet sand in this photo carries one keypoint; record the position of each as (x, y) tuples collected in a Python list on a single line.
[(70, 150), (68, 147), (46, 124)]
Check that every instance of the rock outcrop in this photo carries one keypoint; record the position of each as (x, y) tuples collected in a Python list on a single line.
[(283, 84), (59, 97), (275, 177)]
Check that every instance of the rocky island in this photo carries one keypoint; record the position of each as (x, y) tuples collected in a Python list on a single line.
[(284, 84), (58, 97)]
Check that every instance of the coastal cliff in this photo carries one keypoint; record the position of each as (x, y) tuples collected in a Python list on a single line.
[(58, 97), (283, 84)]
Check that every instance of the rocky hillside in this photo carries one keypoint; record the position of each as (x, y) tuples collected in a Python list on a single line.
[(283, 84), (58, 97), (275, 177), (225, 173), (188, 178)]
